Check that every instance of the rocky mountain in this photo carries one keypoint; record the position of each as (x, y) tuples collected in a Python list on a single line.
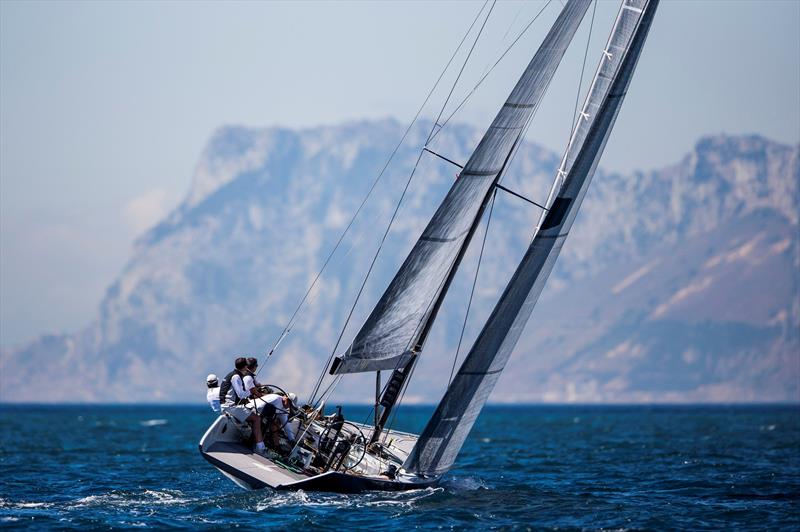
[(677, 284)]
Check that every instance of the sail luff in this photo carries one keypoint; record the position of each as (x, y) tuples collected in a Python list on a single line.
[(392, 330), (445, 433)]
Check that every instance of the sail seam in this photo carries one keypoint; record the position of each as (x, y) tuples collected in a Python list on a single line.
[(480, 372), (518, 105), (480, 173), (507, 128), (437, 239)]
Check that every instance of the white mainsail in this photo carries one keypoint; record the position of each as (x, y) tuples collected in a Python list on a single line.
[(441, 441)]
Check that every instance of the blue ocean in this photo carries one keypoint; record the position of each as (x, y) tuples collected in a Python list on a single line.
[(539, 467)]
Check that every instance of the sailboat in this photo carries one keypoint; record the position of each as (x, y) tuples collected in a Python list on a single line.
[(335, 454)]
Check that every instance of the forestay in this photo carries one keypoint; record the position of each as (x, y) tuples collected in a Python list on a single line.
[(392, 331), (445, 433)]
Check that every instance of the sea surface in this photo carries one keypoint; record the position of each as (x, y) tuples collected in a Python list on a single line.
[(538, 467)]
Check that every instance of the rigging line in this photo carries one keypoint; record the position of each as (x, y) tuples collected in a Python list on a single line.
[(503, 39), (472, 292), (520, 196), (369, 272), (483, 78), (583, 70), (358, 239), (442, 157), (329, 390), (463, 66), (513, 21), (289, 324)]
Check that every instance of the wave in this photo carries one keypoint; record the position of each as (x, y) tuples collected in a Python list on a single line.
[(464, 484), (297, 499), (127, 499), (153, 422), (22, 505)]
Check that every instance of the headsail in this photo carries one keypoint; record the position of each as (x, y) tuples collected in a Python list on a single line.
[(445, 433), (392, 331)]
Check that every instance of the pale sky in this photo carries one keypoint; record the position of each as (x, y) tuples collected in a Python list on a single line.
[(106, 106)]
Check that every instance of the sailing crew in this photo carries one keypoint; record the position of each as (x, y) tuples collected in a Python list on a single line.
[(282, 407), (250, 382), (235, 396), (212, 396)]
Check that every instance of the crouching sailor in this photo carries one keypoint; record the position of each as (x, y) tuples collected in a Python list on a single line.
[(234, 398), (277, 408)]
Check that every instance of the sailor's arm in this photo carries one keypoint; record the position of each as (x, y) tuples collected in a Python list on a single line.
[(251, 386), (238, 388)]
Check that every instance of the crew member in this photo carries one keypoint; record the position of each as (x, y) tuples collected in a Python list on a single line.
[(234, 397), (212, 396), (250, 382), (280, 419)]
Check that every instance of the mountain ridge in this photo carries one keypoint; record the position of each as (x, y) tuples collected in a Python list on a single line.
[(219, 274)]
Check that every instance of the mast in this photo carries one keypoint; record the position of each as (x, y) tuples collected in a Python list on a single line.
[(445, 433), (403, 315)]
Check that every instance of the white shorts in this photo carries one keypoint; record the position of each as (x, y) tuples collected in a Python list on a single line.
[(239, 412)]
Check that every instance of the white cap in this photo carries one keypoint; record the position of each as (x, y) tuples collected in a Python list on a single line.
[(292, 397), (211, 377)]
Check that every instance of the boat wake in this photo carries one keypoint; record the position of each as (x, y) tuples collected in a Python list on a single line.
[(457, 484), (300, 499)]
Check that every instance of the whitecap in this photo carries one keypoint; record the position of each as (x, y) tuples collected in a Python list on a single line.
[(153, 422), (127, 499), (284, 499), (33, 505), (465, 484), (404, 499), (166, 497), (4, 503)]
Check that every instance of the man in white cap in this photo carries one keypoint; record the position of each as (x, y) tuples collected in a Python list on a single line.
[(212, 396)]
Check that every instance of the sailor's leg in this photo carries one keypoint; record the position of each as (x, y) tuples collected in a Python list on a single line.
[(255, 421), (275, 433), (282, 418)]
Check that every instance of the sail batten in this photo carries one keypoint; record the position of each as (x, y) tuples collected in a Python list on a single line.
[(441, 440), (392, 331)]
